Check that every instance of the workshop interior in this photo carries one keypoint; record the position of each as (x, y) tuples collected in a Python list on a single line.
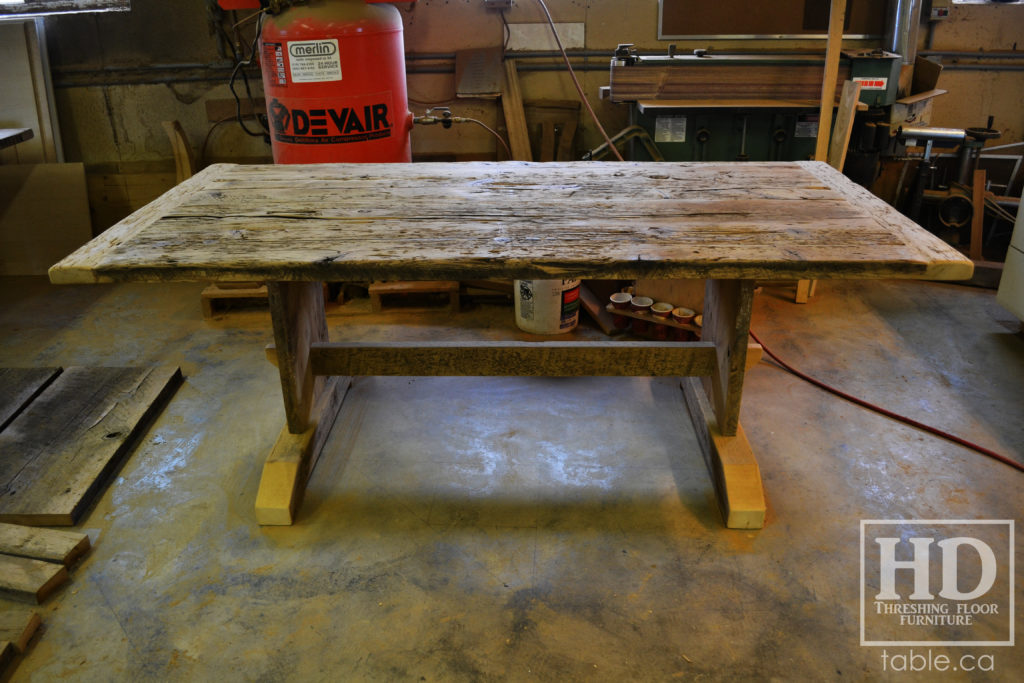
[(511, 264)]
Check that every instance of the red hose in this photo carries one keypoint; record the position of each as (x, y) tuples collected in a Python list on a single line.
[(576, 82), (888, 413)]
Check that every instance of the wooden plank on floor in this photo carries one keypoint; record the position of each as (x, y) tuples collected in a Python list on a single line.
[(17, 626), (50, 545), (18, 386), (56, 456), (29, 580), (523, 359)]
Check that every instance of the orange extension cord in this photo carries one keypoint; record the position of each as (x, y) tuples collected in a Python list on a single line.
[(888, 413)]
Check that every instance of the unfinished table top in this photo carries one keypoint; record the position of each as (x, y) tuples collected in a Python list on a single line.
[(457, 221)]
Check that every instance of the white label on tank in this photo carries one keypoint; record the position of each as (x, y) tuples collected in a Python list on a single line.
[(312, 61), (806, 126), (670, 129)]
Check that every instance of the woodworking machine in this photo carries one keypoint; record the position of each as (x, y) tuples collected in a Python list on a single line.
[(760, 107)]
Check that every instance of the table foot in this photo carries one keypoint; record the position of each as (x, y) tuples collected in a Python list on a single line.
[(287, 468), (732, 464)]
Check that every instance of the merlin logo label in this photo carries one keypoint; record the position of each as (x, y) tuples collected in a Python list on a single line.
[(329, 126), (313, 48), (314, 61)]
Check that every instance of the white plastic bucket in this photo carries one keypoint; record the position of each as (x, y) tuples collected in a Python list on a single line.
[(547, 306)]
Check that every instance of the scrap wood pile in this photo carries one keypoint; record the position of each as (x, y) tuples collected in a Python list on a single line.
[(33, 564)]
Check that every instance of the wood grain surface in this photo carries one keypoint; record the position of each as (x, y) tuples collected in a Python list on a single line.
[(29, 580), (18, 386), (56, 455), (346, 222), (518, 359), (50, 545), (18, 625)]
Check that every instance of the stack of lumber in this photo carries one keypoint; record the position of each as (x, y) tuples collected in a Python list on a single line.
[(17, 626), (33, 564)]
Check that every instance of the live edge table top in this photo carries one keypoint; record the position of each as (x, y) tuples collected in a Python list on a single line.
[(459, 221)]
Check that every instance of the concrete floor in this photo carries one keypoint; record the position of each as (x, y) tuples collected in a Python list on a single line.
[(516, 529)]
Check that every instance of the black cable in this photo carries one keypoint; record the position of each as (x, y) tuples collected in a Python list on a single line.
[(239, 66)]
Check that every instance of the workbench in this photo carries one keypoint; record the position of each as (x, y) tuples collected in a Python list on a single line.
[(295, 227)]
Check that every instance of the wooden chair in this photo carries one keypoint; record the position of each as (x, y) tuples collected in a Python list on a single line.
[(184, 159), (557, 120)]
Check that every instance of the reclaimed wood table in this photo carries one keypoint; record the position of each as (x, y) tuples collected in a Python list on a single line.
[(297, 226)]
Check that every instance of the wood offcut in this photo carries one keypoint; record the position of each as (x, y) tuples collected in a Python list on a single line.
[(29, 580), (50, 545), (17, 626)]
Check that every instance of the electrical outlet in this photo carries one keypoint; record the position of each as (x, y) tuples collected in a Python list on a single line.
[(939, 10)]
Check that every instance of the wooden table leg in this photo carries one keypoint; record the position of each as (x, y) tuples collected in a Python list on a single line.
[(715, 407), (311, 403)]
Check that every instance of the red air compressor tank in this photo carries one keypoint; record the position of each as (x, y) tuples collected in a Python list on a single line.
[(334, 81)]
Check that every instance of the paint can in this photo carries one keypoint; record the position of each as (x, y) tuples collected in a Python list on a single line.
[(547, 306)]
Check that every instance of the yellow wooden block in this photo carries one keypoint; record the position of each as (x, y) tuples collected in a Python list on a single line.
[(283, 480), (731, 461)]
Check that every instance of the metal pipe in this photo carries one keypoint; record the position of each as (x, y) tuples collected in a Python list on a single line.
[(929, 133), (983, 67), (901, 32), (972, 55), (940, 195), (1007, 146)]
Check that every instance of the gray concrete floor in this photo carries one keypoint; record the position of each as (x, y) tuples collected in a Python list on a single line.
[(516, 529)]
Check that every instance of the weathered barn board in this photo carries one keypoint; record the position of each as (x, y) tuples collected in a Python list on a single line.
[(51, 545), (18, 625), (18, 386), (518, 359), (783, 220), (29, 580), (56, 455)]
